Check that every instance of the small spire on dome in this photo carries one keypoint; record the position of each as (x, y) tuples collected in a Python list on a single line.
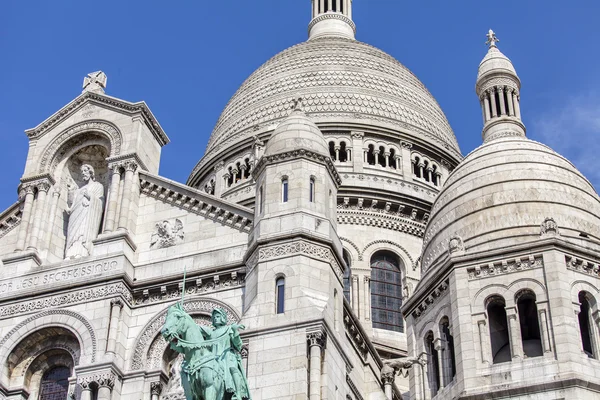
[(492, 39)]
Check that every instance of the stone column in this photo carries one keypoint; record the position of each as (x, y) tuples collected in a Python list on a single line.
[(509, 98), (235, 173), (322, 3), (115, 318), (492, 93), (155, 390), (316, 344), (28, 192), (315, 8), (337, 3), (113, 196), (501, 97), (130, 167), (406, 160), (106, 382), (367, 292), (329, 5), (421, 167), (49, 225), (484, 346), (387, 158), (517, 105), (398, 160), (365, 155), (486, 106), (547, 347), (354, 295), (38, 217), (516, 344), (337, 153), (86, 389), (439, 346), (348, 154), (357, 146), (376, 153), (387, 378)]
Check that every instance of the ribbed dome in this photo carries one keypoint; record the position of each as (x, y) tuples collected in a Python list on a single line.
[(502, 192), (495, 61), (340, 80), (297, 132)]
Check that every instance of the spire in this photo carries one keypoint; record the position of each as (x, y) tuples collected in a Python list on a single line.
[(498, 87), (331, 18)]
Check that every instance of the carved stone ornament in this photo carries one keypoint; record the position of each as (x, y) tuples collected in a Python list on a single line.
[(318, 338), (95, 82), (549, 228), (456, 245), (167, 233), (156, 388)]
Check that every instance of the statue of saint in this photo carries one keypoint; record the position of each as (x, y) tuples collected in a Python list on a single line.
[(85, 214), (212, 367)]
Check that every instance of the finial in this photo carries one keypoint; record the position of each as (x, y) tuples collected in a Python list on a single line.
[(492, 39), (94, 82), (297, 104)]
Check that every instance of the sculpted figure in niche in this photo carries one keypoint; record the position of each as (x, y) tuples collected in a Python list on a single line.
[(85, 205), (167, 234)]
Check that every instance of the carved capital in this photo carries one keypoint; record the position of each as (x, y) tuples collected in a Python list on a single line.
[(357, 135), (85, 382), (406, 145), (116, 302), (156, 388), (130, 165), (106, 380), (318, 338), (387, 375)]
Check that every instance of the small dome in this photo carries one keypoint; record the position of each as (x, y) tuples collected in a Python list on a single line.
[(500, 195), (297, 132), (495, 61)]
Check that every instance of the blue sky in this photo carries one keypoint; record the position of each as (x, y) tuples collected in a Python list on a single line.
[(186, 59)]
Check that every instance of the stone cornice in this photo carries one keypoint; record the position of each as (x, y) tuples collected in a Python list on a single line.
[(10, 218), (300, 153), (106, 101), (196, 201), (359, 336), (332, 15), (122, 158)]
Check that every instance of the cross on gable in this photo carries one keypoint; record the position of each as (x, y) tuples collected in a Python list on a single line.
[(95, 82)]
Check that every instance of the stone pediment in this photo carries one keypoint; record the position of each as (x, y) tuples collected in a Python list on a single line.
[(90, 99), (197, 202)]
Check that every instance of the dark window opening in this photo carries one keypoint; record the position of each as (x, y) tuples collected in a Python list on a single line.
[(393, 159), (426, 171), (498, 330), (311, 196), (55, 384), (347, 275), (448, 356), (434, 176), (386, 292), (584, 325), (416, 168), (530, 326), (280, 293), (382, 156), (371, 155), (433, 367), (332, 151), (229, 177), (284, 190), (506, 100), (343, 152), (497, 97)]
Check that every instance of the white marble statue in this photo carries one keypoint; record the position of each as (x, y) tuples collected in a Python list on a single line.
[(85, 214)]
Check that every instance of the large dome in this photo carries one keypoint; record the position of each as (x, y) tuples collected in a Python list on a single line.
[(340, 80), (502, 192)]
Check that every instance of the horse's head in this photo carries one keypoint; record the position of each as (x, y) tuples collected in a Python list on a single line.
[(176, 324)]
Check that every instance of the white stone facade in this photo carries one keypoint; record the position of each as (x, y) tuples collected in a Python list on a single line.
[(332, 197)]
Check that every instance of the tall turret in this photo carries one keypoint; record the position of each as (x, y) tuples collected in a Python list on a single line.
[(331, 18), (498, 87)]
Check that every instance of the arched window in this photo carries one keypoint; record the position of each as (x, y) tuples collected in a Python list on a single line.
[(343, 152), (585, 326), (382, 156), (347, 275), (433, 367), (332, 151), (371, 155), (529, 322), (448, 357), (498, 330), (261, 201), (311, 188), (386, 291), (55, 384), (284, 190), (393, 159), (280, 295), (416, 168)]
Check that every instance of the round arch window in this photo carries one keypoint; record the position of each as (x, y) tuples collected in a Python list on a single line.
[(55, 384), (386, 291)]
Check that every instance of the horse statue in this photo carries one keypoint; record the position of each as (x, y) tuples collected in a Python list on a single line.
[(212, 367)]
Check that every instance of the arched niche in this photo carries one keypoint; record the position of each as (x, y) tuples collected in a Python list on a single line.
[(150, 348), (38, 353)]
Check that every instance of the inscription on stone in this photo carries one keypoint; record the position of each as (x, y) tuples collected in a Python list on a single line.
[(49, 278)]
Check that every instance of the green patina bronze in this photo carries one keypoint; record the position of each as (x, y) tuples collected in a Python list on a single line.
[(212, 366)]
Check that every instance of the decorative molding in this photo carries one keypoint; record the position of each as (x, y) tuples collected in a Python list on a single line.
[(366, 218), (456, 246), (102, 379), (317, 338), (96, 98), (152, 328), (197, 202), (61, 300), (300, 153), (202, 286), (332, 15), (355, 247), (126, 161), (353, 388), (431, 299), (501, 134), (549, 228), (390, 243), (10, 218), (582, 266), (156, 388), (68, 313), (353, 331), (505, 267), (50, 152), (297, 247)]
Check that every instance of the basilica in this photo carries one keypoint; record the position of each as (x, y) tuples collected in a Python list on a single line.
[(332, 215)]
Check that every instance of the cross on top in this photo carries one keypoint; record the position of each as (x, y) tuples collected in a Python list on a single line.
[(492, 39), (95, 82)]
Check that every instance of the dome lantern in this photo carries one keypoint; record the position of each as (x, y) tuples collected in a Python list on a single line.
[(498, 87), (331, 18)]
